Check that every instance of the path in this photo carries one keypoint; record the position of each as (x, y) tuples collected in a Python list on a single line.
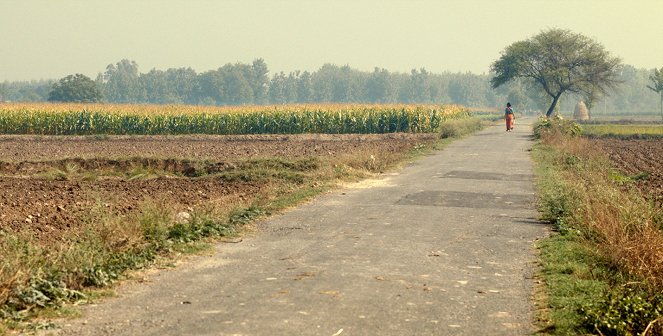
[(442, 248)]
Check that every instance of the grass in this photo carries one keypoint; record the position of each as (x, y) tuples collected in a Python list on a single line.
[(623, 131), (603, 269), (569, 268), (37, 281)]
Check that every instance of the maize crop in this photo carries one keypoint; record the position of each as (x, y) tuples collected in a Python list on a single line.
[(88, 119)]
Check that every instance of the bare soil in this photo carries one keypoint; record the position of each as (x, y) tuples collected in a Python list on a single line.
[(196, 147), (34, 197), (635, 157)]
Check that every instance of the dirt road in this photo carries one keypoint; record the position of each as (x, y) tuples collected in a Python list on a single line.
[(442, 248)]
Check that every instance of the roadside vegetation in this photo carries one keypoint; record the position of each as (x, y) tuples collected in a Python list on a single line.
[(603, 268), (43, 275)]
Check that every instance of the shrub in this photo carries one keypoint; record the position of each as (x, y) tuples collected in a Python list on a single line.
[(624, 311), (460, 127), (556, 126)]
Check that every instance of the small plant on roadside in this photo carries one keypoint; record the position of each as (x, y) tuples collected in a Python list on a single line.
[(198, 227), (460, 127), (624, 311), (556, 126)]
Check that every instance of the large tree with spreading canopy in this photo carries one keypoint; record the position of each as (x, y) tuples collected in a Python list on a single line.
[(558, 61)]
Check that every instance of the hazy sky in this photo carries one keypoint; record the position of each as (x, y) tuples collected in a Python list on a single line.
[(50, 39)]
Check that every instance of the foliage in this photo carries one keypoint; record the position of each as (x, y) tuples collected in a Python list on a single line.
[(624, 311), (592, 208), (460, 127), (556, 125), (656, 80), (290, 119), (120, 82), (332, 83), (573, 275), (558, 61), (75, 89)]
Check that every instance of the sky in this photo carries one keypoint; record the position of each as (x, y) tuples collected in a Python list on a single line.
[(50, 39)]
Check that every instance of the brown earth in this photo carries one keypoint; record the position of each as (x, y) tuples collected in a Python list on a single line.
[(196, 147), (48, 207), (45, 189), (638, 157)]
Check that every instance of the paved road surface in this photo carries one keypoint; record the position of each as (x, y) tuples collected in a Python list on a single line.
[(442, 248)]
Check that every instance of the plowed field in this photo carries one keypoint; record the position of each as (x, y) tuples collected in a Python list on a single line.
[(51, 184), (638, 157)]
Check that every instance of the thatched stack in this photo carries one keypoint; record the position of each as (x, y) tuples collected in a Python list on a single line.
[(581, 112)]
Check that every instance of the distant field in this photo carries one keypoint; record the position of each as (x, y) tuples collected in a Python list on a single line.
[(625, 118), (623, 131)]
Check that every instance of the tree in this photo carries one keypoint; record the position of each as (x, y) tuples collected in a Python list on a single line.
[(657, 85), (122, 83), (468, 89), (260, 80), (76, 88), (305, 92), (557, 61)]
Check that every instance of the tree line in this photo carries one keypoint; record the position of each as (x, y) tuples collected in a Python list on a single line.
[(252, 83)]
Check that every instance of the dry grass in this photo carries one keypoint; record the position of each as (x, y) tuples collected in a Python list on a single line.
[(621, 224)]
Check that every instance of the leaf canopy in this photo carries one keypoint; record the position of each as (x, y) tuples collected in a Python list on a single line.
[(557, 61), (76, 88)]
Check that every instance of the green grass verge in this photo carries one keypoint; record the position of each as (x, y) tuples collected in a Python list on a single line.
[(568, 267)]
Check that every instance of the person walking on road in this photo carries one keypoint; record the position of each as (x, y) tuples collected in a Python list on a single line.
[(509, 117)]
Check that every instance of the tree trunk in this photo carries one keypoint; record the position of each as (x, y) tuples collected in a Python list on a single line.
[(551, 109)]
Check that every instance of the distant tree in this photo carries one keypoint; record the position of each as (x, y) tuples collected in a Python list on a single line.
[(277, 89), (122, 83), (3, 91), (237, 81), (420, 86), (305, 93), (156, 87), (76, 88), (260, 80), (173, 86), (590, 101), (657, 85), (210, 88), (557, 61), (468, 89)]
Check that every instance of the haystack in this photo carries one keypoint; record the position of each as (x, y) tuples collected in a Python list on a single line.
[(581, 112)]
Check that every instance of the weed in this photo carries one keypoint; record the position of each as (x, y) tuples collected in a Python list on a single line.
[(609, 236), (556, 127), (200, 226), (243, 216), (624, 310), (460, 127), (568, 267)]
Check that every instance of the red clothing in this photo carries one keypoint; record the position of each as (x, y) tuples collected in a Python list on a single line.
[(509, 121)]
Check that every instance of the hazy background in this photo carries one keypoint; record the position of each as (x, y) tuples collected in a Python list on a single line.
[(50, 39)]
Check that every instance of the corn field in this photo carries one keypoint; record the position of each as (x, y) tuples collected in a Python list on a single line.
[(72, 119)]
